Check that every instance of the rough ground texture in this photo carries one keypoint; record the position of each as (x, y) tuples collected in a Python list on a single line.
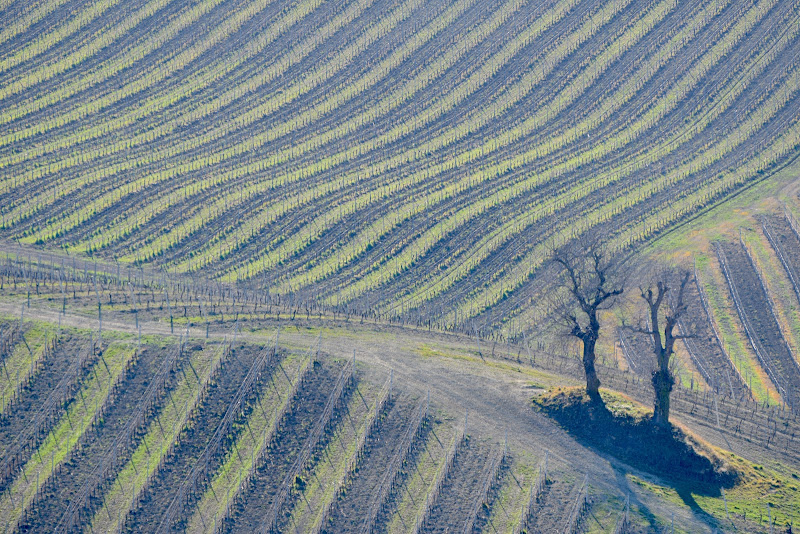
[(497, 394), (707, 354), (193, 440), (348, 514)]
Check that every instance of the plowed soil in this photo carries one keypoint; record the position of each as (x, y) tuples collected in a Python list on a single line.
[(22, 412), (460, 490), (349, 513), (60, 490), (193, 440)]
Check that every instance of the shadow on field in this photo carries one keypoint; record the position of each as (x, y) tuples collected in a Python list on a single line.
[(622, 429)]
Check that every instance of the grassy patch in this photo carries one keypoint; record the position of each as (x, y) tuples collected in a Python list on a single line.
[(24, 361), (761, 494), (724, 219), (779, 286), (513, 495), (412, 497)]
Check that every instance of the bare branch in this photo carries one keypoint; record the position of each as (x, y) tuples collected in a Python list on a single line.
[(685, 336), (638, 330), (592, 281)]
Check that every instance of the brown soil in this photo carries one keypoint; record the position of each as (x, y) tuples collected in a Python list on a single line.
[(23, 410), (348, 514), (766, 334)]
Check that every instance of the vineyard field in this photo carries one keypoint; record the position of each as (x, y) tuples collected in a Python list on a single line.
[(397, 159), (328, 424), (292, 266)]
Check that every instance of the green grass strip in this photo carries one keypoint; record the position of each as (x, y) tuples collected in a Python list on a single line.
[(189, 85), (275, 102), (28, 18), (369, 236), (62, 64), (635, 194), (419, 483), (514, 493), (176, 60), (779, 287), (337, 460), (45, 41), (431, 237), (332, 102), (273, 211), (732, 332), (23, 362)]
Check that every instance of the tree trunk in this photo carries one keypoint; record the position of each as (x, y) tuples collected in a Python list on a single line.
[(662, 385), (592, 382)]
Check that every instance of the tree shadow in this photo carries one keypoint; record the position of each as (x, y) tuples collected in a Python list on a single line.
[(624, 484), (685, 493), (617, 427)]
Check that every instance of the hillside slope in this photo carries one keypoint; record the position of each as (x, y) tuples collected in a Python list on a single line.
[(205, 430), (746, 255), (394, 157)]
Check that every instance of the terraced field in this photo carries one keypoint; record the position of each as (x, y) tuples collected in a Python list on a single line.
[(744, 313), (706, 350), (761, 325), (399, 159)]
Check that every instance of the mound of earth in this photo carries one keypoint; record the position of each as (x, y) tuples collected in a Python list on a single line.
[(622, 428)]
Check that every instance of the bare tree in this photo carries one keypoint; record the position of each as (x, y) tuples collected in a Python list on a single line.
[(593, 278), (659, 290)]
